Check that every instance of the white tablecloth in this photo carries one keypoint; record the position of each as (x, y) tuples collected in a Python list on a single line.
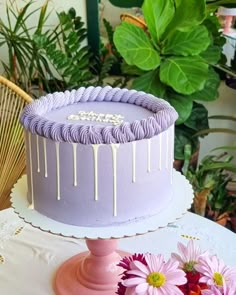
[(29, 257)]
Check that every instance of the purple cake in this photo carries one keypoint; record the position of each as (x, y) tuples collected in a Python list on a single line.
[(99, 156)]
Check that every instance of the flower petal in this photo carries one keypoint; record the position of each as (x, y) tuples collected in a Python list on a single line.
[(142, 288), (132, 282)]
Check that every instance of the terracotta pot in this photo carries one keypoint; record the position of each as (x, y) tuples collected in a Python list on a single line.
[(223, 219)]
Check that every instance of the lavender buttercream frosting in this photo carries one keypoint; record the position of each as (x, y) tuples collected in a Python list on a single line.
[(34, 120)]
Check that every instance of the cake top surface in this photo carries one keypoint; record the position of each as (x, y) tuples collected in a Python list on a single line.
[(98, 115)]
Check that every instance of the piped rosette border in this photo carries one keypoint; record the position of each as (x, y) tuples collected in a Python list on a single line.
[(34, 121)]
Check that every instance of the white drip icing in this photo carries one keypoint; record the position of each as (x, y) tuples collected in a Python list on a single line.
[(95, 156), (74, 146), (149, 155), (37, 151), (31, 173), (160, 152), (45, 158), (114, 148), (134, 161), (172, 154), (58, 170), (167, 148)]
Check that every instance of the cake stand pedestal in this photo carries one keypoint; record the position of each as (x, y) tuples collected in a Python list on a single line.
[(91, 273), (96, 272)]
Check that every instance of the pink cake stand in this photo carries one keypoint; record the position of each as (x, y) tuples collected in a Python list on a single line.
[(91, 273), (95, 272)]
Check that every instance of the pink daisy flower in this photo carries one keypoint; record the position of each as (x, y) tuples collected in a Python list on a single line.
[(229, 289), (215, 272), (188, 256), (156, 278)]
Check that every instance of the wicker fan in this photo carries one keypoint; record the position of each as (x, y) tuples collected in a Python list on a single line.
[(12, 155)]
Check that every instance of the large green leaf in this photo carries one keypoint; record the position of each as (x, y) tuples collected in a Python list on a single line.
[(191, 42), (150, 83), (183, 105), (185, 75), (212, 54), (198, 119), (135, 47), (210, 90), (158, 15), (188, 13), (127, 3)]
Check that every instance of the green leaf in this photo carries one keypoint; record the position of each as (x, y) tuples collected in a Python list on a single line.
[(127, 3), (223, 117), (43, 16), (216, 130), (215, 166), (212, 54), (184, 136), (158, 15), (188, 14), (135, 47), (198, 119), (225, 147), (183, 105), (191, 42), (131, 70), (150, 83), (185, 75), (210, 90)]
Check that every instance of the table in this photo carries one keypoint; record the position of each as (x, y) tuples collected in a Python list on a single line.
[(29, 257)]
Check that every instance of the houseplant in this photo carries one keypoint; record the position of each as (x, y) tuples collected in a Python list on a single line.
[(176, 58), (209, 181), (24, 62), (49, 58)]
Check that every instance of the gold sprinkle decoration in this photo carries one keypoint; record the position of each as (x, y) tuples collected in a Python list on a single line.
[(18, 230), (189, 237), (2, 260)]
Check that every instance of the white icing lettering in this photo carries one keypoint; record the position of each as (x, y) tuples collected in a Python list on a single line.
[(114, 119)]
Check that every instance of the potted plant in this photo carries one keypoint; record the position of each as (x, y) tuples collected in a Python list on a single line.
[(215, 188), (209, 182), (175, 59), (46, 58)]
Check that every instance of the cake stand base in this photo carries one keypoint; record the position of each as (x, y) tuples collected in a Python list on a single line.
[(94, 272)]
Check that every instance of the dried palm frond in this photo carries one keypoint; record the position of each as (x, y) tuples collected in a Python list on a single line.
[(12, 151)]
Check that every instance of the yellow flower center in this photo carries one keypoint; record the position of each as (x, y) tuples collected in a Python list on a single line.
[(156, 279), (218, 279), (189, 266)]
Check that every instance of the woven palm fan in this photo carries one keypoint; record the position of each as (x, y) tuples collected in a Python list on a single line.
[(12, 153)]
